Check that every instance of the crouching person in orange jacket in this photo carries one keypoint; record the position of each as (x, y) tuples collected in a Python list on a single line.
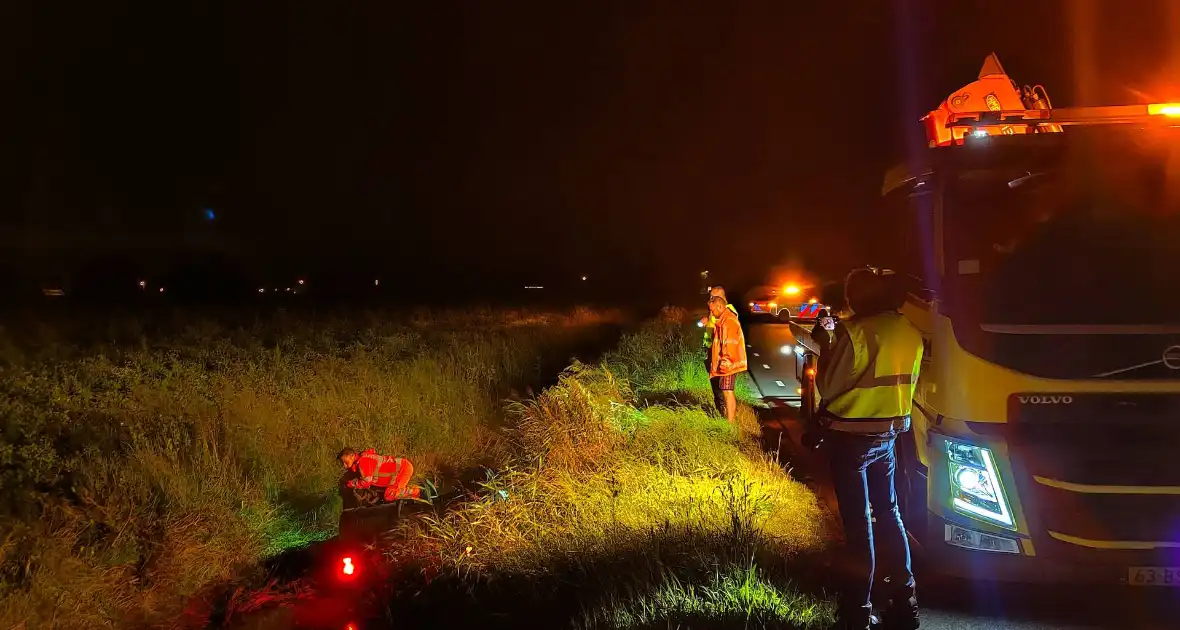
[(390, 476)]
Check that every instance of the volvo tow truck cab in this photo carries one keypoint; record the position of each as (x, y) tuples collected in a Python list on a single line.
[(1042, 250)]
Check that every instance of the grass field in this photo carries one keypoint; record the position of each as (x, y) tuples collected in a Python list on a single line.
[(146, 461), (629, 505), (145, 458)]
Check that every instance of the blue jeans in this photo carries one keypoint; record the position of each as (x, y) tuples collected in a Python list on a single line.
[(863, 470)]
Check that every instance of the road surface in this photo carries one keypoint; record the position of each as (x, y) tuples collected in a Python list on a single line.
[(954, 604), (772, 370)]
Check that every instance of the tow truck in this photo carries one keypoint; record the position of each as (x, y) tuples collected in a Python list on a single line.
[(1046, 421)]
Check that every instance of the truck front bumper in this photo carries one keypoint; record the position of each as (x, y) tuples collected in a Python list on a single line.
[(942, 558)]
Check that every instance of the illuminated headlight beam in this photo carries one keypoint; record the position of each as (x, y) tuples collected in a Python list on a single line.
[(976, 488)]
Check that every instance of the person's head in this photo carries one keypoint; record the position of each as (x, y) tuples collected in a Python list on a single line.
[(346, 457), (717, 292), (867, 292), (717, 305)]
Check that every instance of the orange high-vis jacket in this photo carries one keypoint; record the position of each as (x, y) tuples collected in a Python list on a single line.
[(729, 346)]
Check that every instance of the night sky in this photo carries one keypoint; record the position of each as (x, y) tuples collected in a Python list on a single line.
[(626, 140)]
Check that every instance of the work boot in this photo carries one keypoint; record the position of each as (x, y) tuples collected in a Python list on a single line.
[(855, 620), (874, 624), (901, 615)]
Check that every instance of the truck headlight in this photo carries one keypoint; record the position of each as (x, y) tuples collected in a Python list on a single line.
[(976, 489)]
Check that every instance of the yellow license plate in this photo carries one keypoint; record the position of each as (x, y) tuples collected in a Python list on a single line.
[(1154, 576)]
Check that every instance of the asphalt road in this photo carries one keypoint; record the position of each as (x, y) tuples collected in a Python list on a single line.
[(772, 370), (949, 604)]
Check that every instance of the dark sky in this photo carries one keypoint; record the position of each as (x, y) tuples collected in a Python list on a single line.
[(610, 138)]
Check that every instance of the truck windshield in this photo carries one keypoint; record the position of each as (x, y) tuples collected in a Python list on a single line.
[(1065, 247)]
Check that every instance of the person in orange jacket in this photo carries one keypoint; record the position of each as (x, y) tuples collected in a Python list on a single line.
[(389, 475), (709, 322), (728, 352)]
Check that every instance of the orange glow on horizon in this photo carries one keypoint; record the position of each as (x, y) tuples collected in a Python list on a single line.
[(1171, 110)]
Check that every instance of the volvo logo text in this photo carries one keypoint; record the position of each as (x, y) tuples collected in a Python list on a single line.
[(1046, 400), (1171, 358)]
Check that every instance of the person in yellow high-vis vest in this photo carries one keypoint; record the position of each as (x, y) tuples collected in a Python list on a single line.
[(866, 375), (709, 323)]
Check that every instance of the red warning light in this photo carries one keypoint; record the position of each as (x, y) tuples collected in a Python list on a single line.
[(347, 568), (351, 626)]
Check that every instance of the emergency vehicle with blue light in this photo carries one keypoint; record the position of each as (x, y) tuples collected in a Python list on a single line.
[(791, 301)]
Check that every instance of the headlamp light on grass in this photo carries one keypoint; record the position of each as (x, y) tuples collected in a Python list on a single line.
[(976, 489)]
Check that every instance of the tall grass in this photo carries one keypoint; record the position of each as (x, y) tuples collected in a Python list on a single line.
[(145, 459), (629, 504)]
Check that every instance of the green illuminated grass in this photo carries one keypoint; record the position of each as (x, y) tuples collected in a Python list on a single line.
[(736, 596), (141, 470), (146, 459), (625, 514)]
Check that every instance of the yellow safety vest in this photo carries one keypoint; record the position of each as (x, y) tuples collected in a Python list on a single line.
[(712, 325), (870, 374)]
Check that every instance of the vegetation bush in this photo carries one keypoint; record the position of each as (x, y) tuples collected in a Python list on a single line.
[(623, 513), (144, 458)]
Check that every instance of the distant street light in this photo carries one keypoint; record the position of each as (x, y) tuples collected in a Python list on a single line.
[(583, 278), (300, 282), (142, 284), (376, 283)]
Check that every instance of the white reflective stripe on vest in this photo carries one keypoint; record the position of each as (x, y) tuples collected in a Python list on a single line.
[(386, 479), (869, 427), (888, 355)]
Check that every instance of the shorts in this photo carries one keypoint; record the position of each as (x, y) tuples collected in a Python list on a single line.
[(726, 383)]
